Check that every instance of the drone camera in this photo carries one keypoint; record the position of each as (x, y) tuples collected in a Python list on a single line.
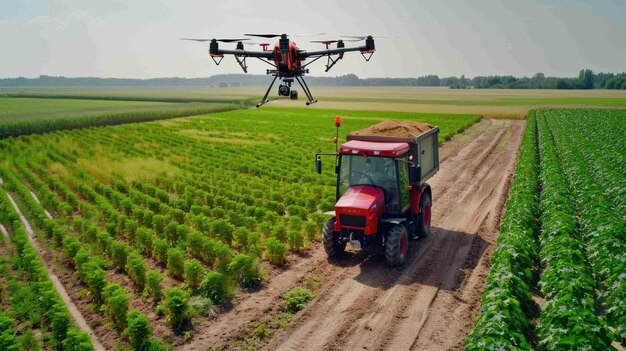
[(283, 90)]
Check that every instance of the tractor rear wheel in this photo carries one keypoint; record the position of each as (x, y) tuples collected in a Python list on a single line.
[(332, 246), (396, 245), (424, 216)]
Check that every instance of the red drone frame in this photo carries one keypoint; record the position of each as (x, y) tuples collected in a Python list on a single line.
[(287, 59)]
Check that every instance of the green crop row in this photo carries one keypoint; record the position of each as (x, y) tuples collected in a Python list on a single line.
[(503, 322), (601, 224), (568, 316), (49, 307), (570, 184)]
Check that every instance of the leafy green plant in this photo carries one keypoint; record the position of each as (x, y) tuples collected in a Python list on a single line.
[(116, 302), (153, 284), (296, 299), (138, 329), (194, 272), (218, 287), (119, 254), (295, 240), (275, 251), (95, 277), (177, 307), (160, 250), (77, 341), (136, 268), (245, 270), (175, 262)]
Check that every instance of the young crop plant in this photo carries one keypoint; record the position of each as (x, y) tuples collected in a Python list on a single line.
[(217, 287), (194, 273), (153, 284), (176, 262), (116, 301), (275, 251), (246, 271), (138, 330), (296, 299), (177, 307), (295, 240), (119, 253), (136, 268)]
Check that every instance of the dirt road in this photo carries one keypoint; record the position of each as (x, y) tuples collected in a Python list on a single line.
[(430, 303)]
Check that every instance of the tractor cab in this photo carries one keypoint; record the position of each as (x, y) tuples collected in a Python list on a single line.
[(382, 196), (382, 166)]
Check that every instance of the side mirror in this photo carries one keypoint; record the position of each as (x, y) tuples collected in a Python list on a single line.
[(415, 174), (318, 165)]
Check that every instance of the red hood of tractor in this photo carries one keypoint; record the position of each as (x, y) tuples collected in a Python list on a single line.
[(361, 200)]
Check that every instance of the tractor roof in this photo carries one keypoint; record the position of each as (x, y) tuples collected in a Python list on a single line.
[(372, 148)]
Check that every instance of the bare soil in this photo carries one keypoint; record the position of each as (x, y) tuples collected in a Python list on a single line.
[(431, 302)]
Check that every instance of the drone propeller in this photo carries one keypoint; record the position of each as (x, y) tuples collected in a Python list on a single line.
[(324, 41), (221, 40), (254, 43), (263, 35), (307, 35), (363, 37), (272, 35)]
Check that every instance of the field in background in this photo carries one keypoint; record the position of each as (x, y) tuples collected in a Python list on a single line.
[(491, 103), (27, 115)]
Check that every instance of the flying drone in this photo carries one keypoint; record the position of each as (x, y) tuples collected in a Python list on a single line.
[(287, 60)]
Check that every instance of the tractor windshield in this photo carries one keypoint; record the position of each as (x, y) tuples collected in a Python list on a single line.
[(368, 170)]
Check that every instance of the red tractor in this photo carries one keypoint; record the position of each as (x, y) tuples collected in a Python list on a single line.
[(382, 194)]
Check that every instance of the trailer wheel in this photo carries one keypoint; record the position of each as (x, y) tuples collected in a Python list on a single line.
[(332, 246), (396, 245), (424, 217)]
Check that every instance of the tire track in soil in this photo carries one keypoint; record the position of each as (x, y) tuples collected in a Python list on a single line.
[(431, 302), (80, 320)]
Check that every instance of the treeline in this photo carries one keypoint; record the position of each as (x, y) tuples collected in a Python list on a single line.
[(220, 80), (585, 80)]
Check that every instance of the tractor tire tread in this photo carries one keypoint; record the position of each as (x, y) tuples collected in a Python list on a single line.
[(392, 245)]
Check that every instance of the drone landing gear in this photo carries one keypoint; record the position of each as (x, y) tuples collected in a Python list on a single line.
[(285, 90), (306, 90), (265, 100)]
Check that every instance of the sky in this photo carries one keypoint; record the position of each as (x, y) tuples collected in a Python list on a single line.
[(140, 38)]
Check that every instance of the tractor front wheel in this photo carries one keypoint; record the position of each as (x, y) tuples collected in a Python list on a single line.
[(332, 246), (396, 245)]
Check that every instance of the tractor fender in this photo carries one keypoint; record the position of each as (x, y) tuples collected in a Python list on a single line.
[(416, 195)]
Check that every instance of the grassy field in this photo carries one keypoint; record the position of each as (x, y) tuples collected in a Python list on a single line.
[(491, 103), (198, 201)]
